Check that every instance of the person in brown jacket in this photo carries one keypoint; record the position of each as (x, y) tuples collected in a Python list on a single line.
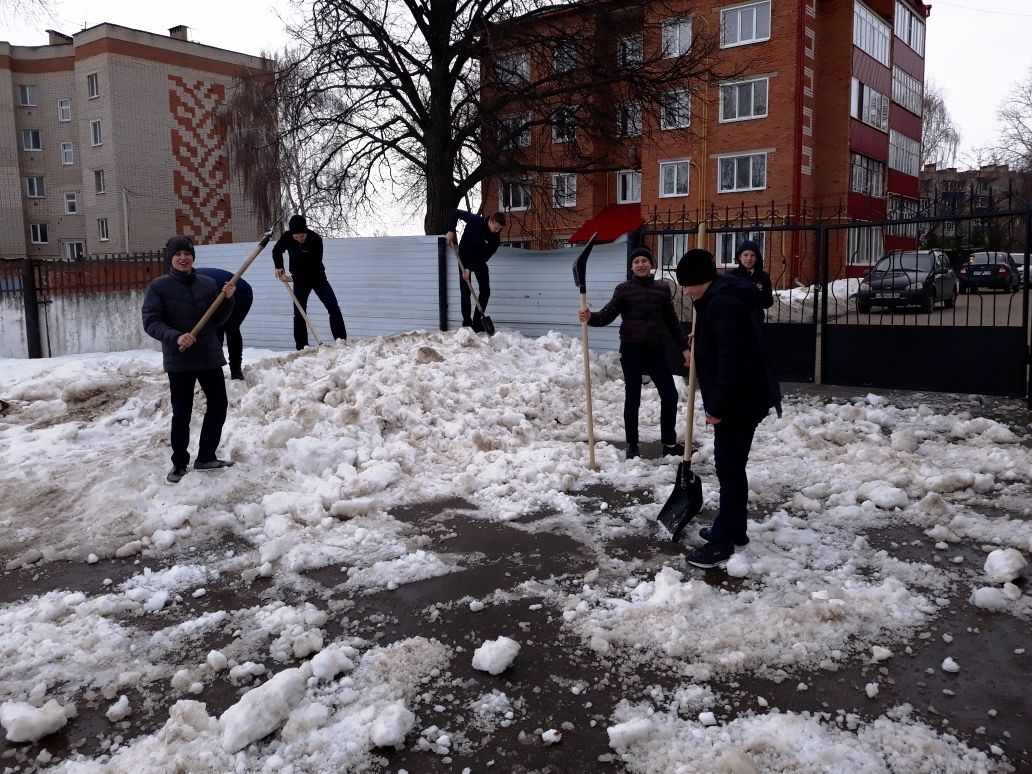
[(648, 317)]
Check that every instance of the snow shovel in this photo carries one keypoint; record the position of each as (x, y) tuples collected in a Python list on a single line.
[(239, 273), (685, 501), (489, 328), (301, 309), (580, 279)]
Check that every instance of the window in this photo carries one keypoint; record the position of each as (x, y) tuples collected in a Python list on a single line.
[(35, 187), (96, 135), (38, 233), (910, 28), (904, 153), (673, 178), (676, 112), (32, 140), (71, 200), (513, 69), (677, 37), (867, 176), (93, 85), (514, 131), (745, 24), (728, 244), (629, 50), (64, 110), (869, 106), (564, 124), (98, 181), (902, 209), (629, 119), (907, 91), (519, 244), (864, 246), (28, 96), (102, 229), (75, 251), (672, 247), (565, 60), (741, 101), (870, 34), (67, 153), (514, 195), (564, 190), (742, 173), (628, 186)]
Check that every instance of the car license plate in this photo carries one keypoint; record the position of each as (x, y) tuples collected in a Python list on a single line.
[(982, 272), (888, 295)]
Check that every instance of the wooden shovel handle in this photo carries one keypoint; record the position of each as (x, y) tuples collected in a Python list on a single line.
[(587, 385), (472, 292), (689, 428)]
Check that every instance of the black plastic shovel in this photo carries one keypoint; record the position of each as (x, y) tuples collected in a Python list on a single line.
[(685, 501), (489, 328)]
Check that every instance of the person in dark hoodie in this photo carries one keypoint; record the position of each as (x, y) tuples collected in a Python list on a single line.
[(647, 317), (738, 390), (230, 331), (750, 267), (305, 248), (173, 305), (480, 240)]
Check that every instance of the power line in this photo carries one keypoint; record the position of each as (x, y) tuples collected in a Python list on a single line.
[(983, 10)]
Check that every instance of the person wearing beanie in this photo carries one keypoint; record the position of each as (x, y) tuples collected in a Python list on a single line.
[(307, 272), (750, 267), (480, 239), (230, 331), (648, 317), (173, 305), (738, 388)]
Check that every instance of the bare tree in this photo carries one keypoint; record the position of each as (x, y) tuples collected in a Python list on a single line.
[(939, 135), (436, 97), (1015, 114), (27, 10)]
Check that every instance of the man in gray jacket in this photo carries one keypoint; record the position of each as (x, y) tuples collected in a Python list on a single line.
[(174, 304)]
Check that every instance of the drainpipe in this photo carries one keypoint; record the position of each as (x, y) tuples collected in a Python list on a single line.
[(125, 218)]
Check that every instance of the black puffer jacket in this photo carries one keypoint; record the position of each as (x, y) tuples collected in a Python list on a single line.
[(478, 242), (173, 306), (306, 260), (757, 275), (647, 312), (734, 368)]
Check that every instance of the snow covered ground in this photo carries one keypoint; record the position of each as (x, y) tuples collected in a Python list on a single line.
[(318, 606)]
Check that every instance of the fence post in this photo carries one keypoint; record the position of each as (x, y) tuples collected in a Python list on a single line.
[(1025, 310), (820, 286), (31, 301), (442, 284)]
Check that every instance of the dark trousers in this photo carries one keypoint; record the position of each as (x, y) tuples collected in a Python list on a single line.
[(231, 332), (639, 359), (732, 442), (303, 286), (483, 293), (181, 385)]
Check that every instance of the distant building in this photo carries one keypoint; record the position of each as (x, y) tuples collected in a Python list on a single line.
[(111, 140), (827, 113)]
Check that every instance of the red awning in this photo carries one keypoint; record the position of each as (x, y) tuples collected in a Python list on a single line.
[(612, 223)]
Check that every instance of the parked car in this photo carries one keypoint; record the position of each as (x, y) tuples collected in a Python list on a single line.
[(1023, 279), (988, 269), (909, 278)]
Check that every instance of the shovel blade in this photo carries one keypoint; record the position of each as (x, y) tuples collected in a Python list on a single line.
[(684, 502), (489, 328)]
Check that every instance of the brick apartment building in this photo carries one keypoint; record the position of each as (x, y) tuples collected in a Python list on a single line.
[(111, 140), (826, 113)]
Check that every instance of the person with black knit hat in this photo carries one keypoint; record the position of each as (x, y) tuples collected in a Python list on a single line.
[(305, 248), (750, 267), (738, 388), (173, 305), (648, 316)]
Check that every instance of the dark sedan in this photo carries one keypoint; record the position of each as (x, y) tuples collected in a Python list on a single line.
[(908, 278), (989, 270)]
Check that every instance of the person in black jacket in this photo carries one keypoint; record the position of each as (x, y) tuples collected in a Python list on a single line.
[(738, 390), (173, 305), (305, 248), (230, 330), (479, 241), (648, 316), (750, 267)]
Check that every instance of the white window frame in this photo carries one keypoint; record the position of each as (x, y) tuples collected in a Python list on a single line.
[(96, 132), (513, 195), (871, 34), (902, 208), (864, 246), (740, 88), (676, 110), (67, 154), (737, 159), (564, 56), (628, 186), (71, 203), (64, 111), (910, 28), (102, 230), (676, 36), (630, 50), (564, 190), (564, 131), (28, 95), (628, 119), (92, 85), (28, 135), (907, 91), (729, 241), (867, 176), (869, 106), (39, 233), (75, 250), (904, 153), (671, 248), (674, 178), (36, 187), (734, 19), (99, 183), (516, 131), (513, 69)]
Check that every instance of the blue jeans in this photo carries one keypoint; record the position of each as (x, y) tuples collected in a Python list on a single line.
[(638, 359), (732, 442), (303, 286)]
